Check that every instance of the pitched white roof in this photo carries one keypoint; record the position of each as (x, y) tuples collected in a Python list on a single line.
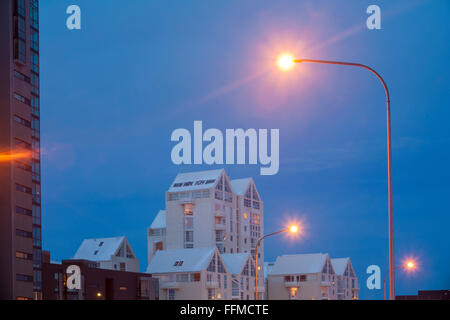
[(98, 249), (195, 259), (299, 263), (235, 261), (339, 265), (240, 185), (194, 177), (160, 220)]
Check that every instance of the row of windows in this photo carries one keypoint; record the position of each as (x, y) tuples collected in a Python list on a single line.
[(187, 195)]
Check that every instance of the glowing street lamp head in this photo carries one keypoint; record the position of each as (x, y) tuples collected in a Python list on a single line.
[(410, 265), (293, 229), (285, 62)]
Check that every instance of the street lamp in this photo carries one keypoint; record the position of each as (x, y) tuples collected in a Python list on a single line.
[(284, 64), (291, 229), (410, 265)]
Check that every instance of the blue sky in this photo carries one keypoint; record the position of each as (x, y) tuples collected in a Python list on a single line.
[(113, 93)]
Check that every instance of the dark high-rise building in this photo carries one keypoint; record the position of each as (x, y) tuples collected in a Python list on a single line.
[(20, 173)]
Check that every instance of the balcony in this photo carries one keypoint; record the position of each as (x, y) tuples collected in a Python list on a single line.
[(210, 284), (292, 284), (219, 226), (170, 285), (219, 213)]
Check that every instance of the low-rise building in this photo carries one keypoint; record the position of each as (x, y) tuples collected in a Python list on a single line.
[(109, 253), (95, 283), (302, 277), (191, 274)]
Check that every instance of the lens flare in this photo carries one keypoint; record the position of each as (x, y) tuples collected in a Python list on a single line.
[(285, 62), (6, 157)]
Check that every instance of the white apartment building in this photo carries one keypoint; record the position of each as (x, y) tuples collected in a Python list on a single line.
[(347, 283), (302, 277), (243, 275), (205, 209), (191, 274), (109, 253)]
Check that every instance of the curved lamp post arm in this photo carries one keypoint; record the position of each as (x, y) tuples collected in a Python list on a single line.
[(389, 153), (256, 257)]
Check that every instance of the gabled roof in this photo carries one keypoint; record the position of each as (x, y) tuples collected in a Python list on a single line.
[(299, 263), (339, 265), (235, 261), (160, 220), (196, 178), (100, 249), (193, 260), (240, 185)]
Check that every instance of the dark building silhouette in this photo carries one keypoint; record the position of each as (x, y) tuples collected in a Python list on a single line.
[(96, 283), (20, 174), (427, 295)]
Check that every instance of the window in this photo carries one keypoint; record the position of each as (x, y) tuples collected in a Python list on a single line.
[(37, 236), (172, 196), (19, 31), (123, 266), (171, 294), (24, 189), (212, 264), (34, 59), (25, 234), (24, 256), (211, 294), (34, 14), (22, 144), (21, 76), (210, 181), (21, 98), (195, 277), (22, 121), (24, 211), (23, 166), (23, 277), (189, 236)]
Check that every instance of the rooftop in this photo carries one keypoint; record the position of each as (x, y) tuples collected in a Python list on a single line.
[(160, 220), (195, 180), (299, 263), (180, 260)]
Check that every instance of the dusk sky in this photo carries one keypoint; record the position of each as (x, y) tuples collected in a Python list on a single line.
[(112, 93)]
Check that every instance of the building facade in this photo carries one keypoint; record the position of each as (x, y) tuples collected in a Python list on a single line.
[(191, 274), (347, 283), (205, 209), (97, 283), (109, 253), (20, 173), (305, 277)]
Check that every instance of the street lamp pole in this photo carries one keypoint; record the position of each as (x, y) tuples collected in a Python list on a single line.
[(389, 154), (256, 256)]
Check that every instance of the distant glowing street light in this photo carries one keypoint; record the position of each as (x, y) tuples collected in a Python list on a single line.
[(292, 229), (286, 62), (409, 266)]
